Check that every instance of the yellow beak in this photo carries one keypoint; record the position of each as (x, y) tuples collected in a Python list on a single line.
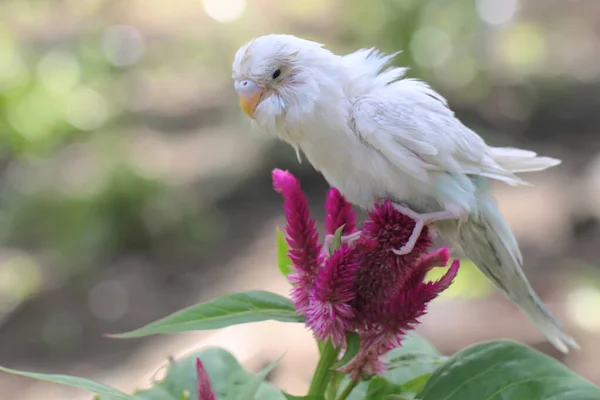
[(250, 95), (249, 103)]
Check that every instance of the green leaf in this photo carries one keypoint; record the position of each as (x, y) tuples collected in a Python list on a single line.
[(409, 367), (417, 384), (359, 392), (505, 370), (411, 364), (228, 380), (181, 375), (283, 260), (290, 397), (250, 390), (233, 309), (227, 377), (241, 384), (352, 347), (379, 388), (414, 343), (107, 392), (336, 242)]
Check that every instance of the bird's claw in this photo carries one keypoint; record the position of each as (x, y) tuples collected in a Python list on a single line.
[(412, 240), (421, 220), (402, 251)]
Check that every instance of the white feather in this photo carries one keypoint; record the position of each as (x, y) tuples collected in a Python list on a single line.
[(517, 160)]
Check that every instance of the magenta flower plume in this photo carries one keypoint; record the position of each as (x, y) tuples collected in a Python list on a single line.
[(302, 237), (438, 258), (386, 325), (339, 212), (203, 385), (382, 272), (363, 287), (330, 312)]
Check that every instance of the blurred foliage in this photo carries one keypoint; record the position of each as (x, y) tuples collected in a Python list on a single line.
[(70, 194), (438, 38), (84, 226), (50, 99), (505, 60)]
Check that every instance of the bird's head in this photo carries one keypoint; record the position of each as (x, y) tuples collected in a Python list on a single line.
[(279, 74)]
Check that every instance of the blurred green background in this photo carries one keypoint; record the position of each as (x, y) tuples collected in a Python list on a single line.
[(130, 180)]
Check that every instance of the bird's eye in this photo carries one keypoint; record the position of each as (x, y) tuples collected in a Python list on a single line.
[(276, 74)]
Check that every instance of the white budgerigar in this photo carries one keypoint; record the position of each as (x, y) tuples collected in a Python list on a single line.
[(375, 135)]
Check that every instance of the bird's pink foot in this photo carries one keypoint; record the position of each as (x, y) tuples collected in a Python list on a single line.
[(421, 220)]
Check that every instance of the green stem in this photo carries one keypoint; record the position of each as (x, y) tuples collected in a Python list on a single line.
[(347, 390), (323, 372), (334, 385)]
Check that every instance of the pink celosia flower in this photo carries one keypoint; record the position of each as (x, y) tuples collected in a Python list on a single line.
[(386, 324), (302, 237), (391, 294), (330, 312), (363, 286), (382, 271), (204, 388), (339, 212)]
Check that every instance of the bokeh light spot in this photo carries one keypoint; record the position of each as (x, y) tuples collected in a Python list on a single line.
[(497, 12), (123, 45), (108, 300), (224, 10), (13, 70), (523, 46), (20, 277), (85, 7), (34, 115), (86, 109), (583, 304), (59, 71)]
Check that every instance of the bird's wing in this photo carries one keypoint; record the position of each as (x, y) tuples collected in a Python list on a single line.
[(411, 125)]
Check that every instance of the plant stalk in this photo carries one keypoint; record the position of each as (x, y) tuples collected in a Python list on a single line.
[(347, 390), (323, 372), (334, 385)]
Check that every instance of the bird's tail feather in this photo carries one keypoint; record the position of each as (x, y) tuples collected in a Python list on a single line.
[(486, 239), (517, 160)]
